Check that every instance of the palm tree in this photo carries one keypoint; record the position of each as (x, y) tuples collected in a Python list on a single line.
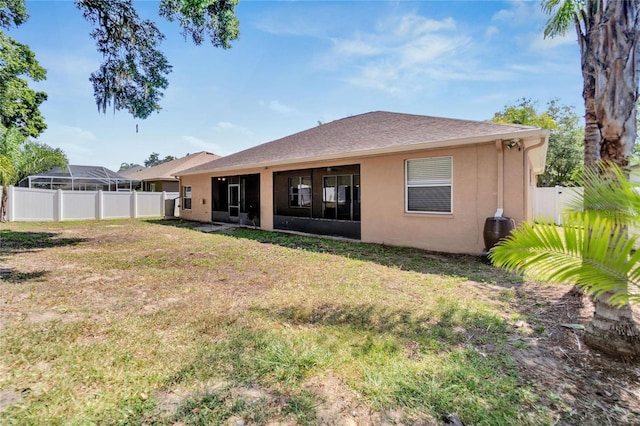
[(592, 250), (608, 36), (20, 157), (609, 39), (10, 141)]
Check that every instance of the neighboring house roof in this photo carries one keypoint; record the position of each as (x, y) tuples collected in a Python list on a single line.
[(368, 134), (131, 170), (82, 172), (166, 171)]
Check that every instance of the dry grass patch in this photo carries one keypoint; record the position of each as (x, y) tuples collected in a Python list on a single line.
[(132, 322)]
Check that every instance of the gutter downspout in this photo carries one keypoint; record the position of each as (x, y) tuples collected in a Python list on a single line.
[(500, 207), (525, 201)]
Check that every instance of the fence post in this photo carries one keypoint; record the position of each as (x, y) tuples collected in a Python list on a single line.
[(163, 205), (556, 205), (10, 202), (59, 207), (100, 214), (134, 204)]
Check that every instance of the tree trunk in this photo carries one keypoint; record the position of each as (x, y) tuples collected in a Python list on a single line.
[(3, 204), (616, 74), (609, 44), (613, 331)]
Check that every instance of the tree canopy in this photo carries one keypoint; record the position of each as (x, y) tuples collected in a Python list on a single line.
[(524, 112), (21, 157), (19, 104), (133, 73), (154, 159), (565, 154), (12, 13)]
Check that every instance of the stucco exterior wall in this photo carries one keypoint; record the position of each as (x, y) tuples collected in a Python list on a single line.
[(475, 197), (384, 220)]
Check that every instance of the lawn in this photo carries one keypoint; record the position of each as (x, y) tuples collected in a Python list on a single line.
[(153, 322)]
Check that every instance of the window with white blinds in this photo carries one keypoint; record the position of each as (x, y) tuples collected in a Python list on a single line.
[(428, 185)]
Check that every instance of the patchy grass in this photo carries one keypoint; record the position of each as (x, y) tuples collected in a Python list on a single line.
[(133, 322)]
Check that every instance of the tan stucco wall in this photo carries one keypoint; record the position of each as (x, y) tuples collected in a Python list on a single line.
[(200, 190), (475, 197)]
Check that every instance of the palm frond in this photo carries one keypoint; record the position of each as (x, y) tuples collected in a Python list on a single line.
[(609, 192), (590, 251), (562, 13), (7, 171)]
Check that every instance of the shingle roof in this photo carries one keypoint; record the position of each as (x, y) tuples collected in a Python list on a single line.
[(361, 135), (131, 170), (166, 171)]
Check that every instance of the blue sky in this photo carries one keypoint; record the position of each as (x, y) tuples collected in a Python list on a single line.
[(300, 62)]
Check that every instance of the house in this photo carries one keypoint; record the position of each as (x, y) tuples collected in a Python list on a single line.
[(129, 171), (79, 178), (161, 177), (381, 177)]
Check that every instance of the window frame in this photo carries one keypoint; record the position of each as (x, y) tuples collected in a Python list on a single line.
[(299, 179), (435, 184), (185, 197)]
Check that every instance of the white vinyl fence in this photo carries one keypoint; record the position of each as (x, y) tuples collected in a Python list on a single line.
[(26, 204), (551, 202)]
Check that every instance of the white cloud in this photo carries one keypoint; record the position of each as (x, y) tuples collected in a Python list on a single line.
[(538, 41), (355, 47), (230, 127), (279, 107), (529, 16), (201, 144), (520, 14), (491, 31), (413, 25), (75, 142), (408, 53)]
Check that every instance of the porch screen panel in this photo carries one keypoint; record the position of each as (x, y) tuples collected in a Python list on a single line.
[(428, 185)]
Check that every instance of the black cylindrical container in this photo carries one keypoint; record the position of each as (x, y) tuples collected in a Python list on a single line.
[(496, 229)]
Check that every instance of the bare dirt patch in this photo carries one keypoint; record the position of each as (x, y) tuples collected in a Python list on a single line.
[(585, 387)]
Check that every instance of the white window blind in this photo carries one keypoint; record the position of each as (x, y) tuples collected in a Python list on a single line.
[(428, 185)]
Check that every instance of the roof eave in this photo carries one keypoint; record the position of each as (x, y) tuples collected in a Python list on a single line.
[(519, 134)]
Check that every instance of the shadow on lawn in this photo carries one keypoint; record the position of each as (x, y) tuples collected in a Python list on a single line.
[(441, 325), (404, 258), (16, 277), (14, 242)]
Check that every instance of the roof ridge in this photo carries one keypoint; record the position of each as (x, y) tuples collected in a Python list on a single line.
[(367, 133)]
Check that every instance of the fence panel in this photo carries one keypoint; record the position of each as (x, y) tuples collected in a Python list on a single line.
[(26, 204), (79, 205), (117, 205), (32, 204), (552, 202), (149, 204)]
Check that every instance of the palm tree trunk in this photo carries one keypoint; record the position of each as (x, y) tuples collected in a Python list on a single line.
[(3, 204), (592, 136), (610, 51), (613, 331)]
